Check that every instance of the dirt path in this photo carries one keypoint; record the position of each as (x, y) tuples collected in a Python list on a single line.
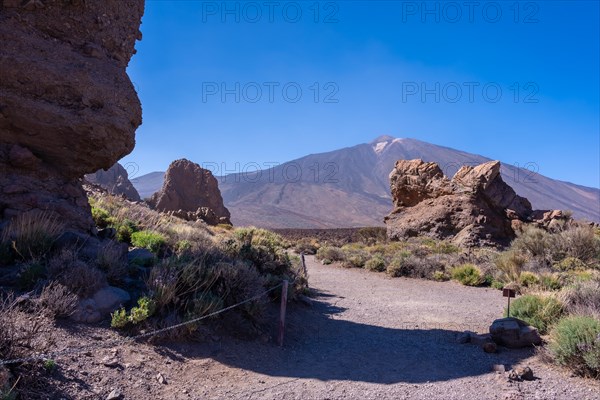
[(365, 337)]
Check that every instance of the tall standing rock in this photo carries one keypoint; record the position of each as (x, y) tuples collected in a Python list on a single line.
[(476, 207), (67, 106), (191, 192), (116, 181)]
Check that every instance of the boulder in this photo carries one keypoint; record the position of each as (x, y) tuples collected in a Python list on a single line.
[(100, 305), (87, 312), (140, 256), (192, 193), (514, 333), (110, 299), (67, 106), (116, 181), (474, 208)]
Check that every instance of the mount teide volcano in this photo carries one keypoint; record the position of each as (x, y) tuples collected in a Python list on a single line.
[(350, 187)]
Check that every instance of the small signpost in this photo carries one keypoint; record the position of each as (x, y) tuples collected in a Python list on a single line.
[(507, 292)]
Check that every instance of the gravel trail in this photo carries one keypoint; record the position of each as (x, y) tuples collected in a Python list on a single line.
[(366, 336)]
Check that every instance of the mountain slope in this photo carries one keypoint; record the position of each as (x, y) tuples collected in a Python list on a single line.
[(148, 184), (350, 187)]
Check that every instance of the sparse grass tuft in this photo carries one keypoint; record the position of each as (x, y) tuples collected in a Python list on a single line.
[(31, 235)]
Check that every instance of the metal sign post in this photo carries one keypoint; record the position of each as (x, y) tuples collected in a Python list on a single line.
[(506, 292)]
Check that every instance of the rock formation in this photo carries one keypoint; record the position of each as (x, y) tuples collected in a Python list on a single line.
[(192, 193), (67, 106), (116, 181), (476, 207)]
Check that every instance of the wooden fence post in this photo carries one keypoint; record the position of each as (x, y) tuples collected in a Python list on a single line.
[(284, 293), (304, 268)]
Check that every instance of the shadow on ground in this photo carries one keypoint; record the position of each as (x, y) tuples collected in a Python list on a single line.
[(321, 346)]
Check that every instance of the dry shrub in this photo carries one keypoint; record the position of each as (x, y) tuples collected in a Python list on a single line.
[(81, 278), (57, 300), (333, 254), (582, 298), (581, 243), (21, 333), (534, 242), (307, 246), (197, 239), (370, 235), (238, 282), (174, 284), (510, 264), (354, 257), (408, 265), (32, 234), (111, 261)]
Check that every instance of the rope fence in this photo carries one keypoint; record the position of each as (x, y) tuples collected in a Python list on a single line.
[(117, 342)]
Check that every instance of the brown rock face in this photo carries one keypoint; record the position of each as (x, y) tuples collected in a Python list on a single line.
[(116, 181), (191, 192), (67, 106), (471, 209)]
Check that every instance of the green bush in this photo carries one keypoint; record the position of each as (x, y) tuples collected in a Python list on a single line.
[(150, 240), (497, 285), (528, 279), (538, 311), (354, 258), (569, 264), (125, 230), (142, 311), (50, 365), (330, 253), (101, 217), (375, 264), (439, 276), (444, 247), (119, 319), (551, 282), (397, 268), (467, 274), (575, 344), (261, 237), (400, 265)]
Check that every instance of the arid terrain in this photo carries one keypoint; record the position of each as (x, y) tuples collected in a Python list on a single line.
[(365, 336)]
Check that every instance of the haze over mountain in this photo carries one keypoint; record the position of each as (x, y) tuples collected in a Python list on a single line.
[(350, 186)]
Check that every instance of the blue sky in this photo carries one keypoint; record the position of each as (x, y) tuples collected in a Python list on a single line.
[(265, 82)]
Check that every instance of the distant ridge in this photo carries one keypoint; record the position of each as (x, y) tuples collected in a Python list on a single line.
[(352, 187)]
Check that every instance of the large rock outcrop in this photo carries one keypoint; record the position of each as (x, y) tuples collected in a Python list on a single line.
[(476, 207), (67, 106), (116, 181), (192, 193)]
